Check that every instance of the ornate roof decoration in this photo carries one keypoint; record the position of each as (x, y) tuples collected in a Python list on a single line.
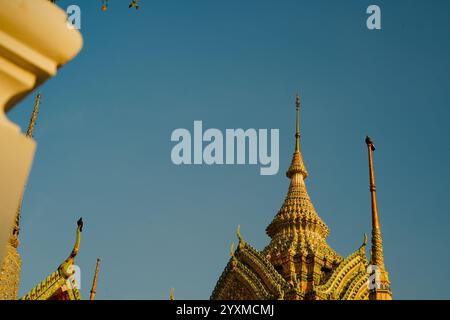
[(61, 284), (256, 276), (337, 285)]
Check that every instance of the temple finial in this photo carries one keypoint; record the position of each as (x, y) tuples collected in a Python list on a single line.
[(76, 247), (32, 123), (382, 291), (16, 230), (297, 128), (297, 165), (66, 267), (94, 282), (232, 250)]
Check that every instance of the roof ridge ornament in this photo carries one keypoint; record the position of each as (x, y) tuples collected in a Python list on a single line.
[(64, 268), (241, 243), (362, 249), (232, 250)]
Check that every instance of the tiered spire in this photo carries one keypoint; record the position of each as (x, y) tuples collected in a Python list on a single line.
[(297, 226), (10, 269), (29, 134)]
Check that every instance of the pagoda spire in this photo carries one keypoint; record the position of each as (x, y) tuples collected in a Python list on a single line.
[(29, 134), (297, 127), (297, 165), (12, 264), (94, 282), (382, 289), (297, 231)]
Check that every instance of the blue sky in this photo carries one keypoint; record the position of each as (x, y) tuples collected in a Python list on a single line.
[(105, 122)]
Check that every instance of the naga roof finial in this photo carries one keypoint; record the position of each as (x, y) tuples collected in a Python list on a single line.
[(77, 242), (238, 232), (65, 267)]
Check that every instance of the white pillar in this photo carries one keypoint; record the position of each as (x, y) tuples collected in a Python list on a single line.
[(34, 42)]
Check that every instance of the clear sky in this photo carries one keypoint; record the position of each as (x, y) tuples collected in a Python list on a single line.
[(105, 122)]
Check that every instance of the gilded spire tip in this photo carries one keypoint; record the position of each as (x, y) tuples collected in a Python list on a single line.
[(297, 128), (94, 282), (297, 165), (32, 123)]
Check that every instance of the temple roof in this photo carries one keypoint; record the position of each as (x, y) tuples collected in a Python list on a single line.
[(61, 284), (349, 280), (249, 275)]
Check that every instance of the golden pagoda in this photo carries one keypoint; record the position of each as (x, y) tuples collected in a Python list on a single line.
[(298, 263)]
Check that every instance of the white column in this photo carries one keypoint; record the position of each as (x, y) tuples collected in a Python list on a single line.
[(34, 42)]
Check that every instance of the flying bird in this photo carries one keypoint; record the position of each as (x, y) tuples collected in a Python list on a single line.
[(104, 5), (134, 4)]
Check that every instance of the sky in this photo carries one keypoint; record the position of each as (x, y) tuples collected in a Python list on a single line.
[(105, 122)]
